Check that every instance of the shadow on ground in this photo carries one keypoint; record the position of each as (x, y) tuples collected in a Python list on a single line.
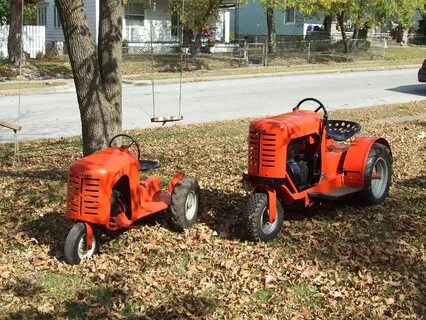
[(416, 89)]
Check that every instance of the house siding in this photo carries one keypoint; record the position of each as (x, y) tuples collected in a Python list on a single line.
[(252, 21), (54, 34), (161, 22)]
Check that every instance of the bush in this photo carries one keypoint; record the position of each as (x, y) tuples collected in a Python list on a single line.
[(417, 40)]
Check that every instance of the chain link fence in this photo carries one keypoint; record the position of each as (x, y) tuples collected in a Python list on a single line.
[(169, 57)]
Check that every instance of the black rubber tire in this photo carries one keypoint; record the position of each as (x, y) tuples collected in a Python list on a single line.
[(253, 215), (185, 188), (381, 153), (71, 249)]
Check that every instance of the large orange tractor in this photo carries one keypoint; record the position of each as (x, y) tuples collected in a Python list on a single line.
[(105, 191), (301, 157)]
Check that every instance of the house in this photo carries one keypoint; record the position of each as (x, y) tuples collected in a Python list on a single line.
[(140, 23), (249, 21)]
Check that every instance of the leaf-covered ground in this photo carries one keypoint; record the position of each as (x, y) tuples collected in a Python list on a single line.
[(330, 262)]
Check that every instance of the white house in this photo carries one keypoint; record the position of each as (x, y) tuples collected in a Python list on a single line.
[(138, 21)]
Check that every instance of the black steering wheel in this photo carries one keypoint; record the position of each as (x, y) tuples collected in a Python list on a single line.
[(321, 106), (133, 143)]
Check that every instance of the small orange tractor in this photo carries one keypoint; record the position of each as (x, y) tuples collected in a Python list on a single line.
[(105, 190), (300, 158)]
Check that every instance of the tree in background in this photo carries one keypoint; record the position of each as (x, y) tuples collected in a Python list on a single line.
[(199, 13), (14, 40), (363, 13), (96, 69), (4, 11), (270, 6)]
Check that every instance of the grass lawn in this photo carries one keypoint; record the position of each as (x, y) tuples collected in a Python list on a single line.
[(27, 85), (330, 261), (139, 67)]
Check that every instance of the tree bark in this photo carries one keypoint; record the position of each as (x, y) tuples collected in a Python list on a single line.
[(14, 40), (272, 33), (341, 22), (110, 56), (100, 119)]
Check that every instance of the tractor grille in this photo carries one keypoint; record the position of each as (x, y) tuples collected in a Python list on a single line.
[(262, 149), (83, 195)]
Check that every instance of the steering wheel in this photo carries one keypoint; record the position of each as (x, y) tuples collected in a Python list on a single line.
[(321, 106), (133, 143)]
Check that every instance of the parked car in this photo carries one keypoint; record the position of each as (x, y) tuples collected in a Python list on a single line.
[(422, 72)]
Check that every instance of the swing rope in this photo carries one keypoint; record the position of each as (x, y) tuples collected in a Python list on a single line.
[(16, 155), (152, 60), (179, 117)]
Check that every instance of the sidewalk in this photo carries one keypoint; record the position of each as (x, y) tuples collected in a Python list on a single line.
[(69, 83)]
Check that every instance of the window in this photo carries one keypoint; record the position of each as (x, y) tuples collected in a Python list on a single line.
[(134, 13), (42, 16), (56, 19), (290, 16)]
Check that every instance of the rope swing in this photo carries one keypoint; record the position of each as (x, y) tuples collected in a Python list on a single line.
[(172, 118)]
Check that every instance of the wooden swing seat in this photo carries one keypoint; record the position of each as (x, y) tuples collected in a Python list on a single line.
[(11, 126), (167, 119)]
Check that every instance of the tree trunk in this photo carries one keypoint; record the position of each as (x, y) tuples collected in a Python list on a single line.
[(272, 34), (354, 41), (100, 119), (110, 56), (14, 41), (341, 22)]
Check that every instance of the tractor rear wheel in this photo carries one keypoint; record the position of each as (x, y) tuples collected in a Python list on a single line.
[(75, 245), (378, 175), (256, 218), (185, 203)]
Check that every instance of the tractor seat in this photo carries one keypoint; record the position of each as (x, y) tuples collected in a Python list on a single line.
[(341, 130), (148, 165)]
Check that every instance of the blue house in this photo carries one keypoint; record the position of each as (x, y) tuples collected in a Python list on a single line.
[(249, 20)]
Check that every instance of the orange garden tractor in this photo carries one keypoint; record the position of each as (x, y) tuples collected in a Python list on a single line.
[(299, 158), (105, 190)]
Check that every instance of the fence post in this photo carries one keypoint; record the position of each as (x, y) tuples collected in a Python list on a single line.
[(265, 53), (385, 46), (309, 50), (246, 58)]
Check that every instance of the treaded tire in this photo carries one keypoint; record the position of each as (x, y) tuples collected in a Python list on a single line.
[(73, 252), (376, 190), (185, 203), (255, 215)]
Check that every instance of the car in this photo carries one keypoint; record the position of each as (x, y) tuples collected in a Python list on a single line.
[(422, 72)]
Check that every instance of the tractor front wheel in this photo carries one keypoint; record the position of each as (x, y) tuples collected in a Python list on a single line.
[(75, 245), (378, 175), (256, 218), (185, 203)]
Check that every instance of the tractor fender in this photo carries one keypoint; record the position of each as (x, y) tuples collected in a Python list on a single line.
[(356, 159), (178, 176)]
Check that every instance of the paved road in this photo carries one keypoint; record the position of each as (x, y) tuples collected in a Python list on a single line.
[(57, 115)]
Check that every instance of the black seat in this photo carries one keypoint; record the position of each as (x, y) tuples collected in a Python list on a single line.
[(341, 130), (148, 165)]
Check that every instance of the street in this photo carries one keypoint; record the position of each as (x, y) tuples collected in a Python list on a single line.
[(57, 115)]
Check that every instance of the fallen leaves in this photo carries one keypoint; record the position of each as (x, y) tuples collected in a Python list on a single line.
[(330, 262)]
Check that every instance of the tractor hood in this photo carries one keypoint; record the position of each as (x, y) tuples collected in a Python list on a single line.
[(112, 161), (293, 125), (269, 138)]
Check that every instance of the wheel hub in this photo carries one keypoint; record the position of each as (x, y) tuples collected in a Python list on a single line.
[(190, 205)]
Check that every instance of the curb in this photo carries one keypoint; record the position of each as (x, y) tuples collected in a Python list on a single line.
[(266, 75)]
